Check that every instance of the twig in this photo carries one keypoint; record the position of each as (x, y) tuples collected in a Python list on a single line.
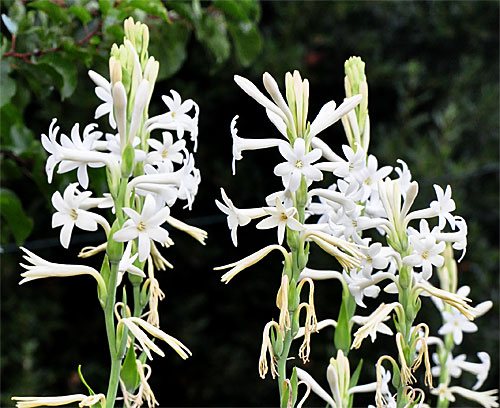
[(25, 55)]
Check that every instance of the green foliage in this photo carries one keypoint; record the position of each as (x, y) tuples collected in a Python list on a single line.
[(14, 217), (129, 373), (50, 45)]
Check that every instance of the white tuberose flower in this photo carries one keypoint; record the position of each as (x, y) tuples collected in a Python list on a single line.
[(444, 206), (144, 226), (298, 163), (237, 216), (240, 144), (280, 217), (177, 118), (84, 401), (69, 213), (103, 92)]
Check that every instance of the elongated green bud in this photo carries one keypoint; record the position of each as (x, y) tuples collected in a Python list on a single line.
[(114, 249), (128, 158)]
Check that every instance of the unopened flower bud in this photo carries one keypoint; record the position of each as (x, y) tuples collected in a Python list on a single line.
[(114, 249), (128, 159)]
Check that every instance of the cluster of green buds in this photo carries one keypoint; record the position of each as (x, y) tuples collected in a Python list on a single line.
[(357, 123)]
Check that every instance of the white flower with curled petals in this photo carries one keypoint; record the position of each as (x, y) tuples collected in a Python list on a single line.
[(426, 253), (443, 206), (376, 257), (237, 217), (177, 117), (103, 92), (298, 164), (127, 262), (167, 152), (69, 213), (83, 401), (240, 144), (280, 217), (457, 324), (144, 227), (356, 161), (86, 145)]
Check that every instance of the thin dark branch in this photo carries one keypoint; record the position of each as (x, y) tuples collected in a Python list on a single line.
[(26, 55)]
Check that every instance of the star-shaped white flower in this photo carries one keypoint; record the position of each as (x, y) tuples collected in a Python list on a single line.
[(444, 206), (426, 253), (103, 92), (86, 145), (235, 216), (298, 164), (70, 214), (127, 262), (166, 152), (144, 227), (177, 117), (280, 217), (240, 144), (456, 323)]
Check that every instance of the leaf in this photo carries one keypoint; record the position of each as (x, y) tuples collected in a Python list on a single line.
[(153, 7), (10, 24), (247, 41), (176, 35), (91, 391), (294, 381), (212, 34), (7, 84), (15, 219), (129, 373), (239, 10), (184, 10), (354, 380), (343, 330), (104, 6), (53, 10), (66, 69), (81, 13)]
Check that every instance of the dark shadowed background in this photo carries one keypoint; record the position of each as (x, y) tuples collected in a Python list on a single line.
[(432, 70)]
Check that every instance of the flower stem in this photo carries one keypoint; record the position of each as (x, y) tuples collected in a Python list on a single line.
[(114, 375)]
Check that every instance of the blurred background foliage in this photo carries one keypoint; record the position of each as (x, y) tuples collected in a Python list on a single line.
[(432, 70)]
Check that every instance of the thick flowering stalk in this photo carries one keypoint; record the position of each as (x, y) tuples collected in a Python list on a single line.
[(143, 187), (286, 211)]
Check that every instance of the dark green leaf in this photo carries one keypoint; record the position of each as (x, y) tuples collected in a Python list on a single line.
[(81, 13), (247, 41), (239, 10), (129, 373), (213, 35), (176, 35), (116, 31), (66, 69), (105, 5), (53, 10), (184, 10), (7, 84), (15, 219), (153, 7)]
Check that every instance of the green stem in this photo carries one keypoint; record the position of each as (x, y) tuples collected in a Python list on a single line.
[(282, 362), (114, 375)]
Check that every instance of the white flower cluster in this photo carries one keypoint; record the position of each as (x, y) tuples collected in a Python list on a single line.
[(161, 184), (405, 246), (146, 177)]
